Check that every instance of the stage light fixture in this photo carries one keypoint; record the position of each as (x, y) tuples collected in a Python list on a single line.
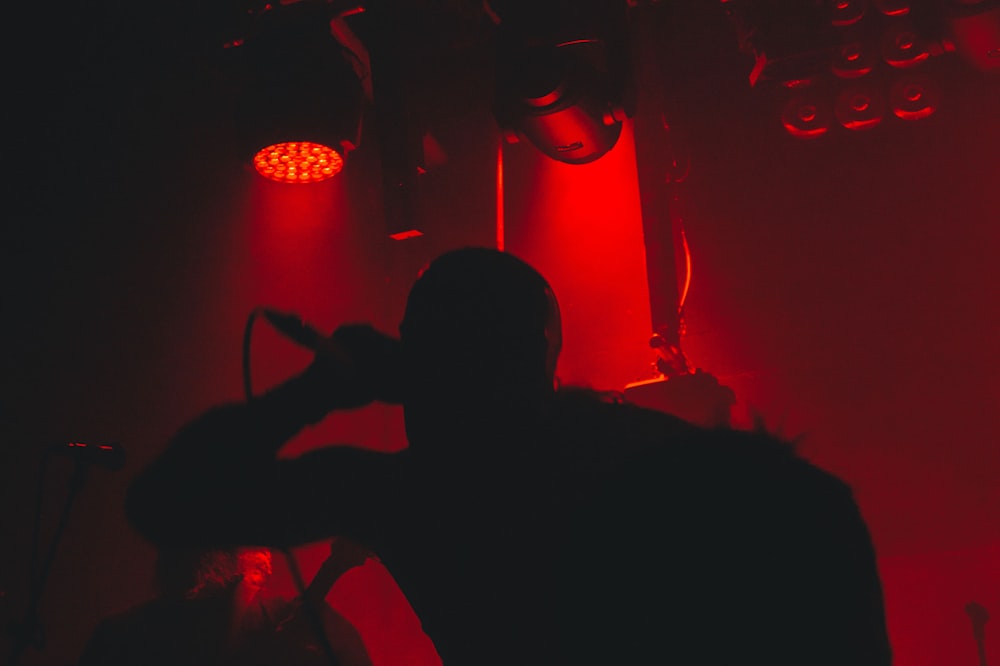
[(292, 162), (806, 116), (847, 12), (903, 46), (874, 63), (859, 107), (853, 60), (913, 96), (562, 77), (300, 101), (893, 7), (557, 99)]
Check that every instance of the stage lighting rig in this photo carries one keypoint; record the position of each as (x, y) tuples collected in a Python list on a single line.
[(300, 95), (562, 75), (850, 60)]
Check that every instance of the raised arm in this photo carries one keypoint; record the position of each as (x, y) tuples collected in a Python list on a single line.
[(219, 482)]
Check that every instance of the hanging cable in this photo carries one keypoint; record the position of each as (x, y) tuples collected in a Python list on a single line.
[(687, 269), (247, 334), (312, 613)]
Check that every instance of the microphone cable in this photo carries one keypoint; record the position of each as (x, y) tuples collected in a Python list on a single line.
[(247, 336), (311, 611)]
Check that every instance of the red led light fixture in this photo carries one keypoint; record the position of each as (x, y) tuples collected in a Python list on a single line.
[(298, 162), (806, 117), (299, 104)]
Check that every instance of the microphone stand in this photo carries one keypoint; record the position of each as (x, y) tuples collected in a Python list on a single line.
[(29, 631), (662, 164)]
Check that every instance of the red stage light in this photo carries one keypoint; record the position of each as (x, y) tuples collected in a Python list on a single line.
[(853, 60), (902, 46), (847, 12), (913, 97), (806, 117), (893, 7), (859, 107), (298, 162), (404, 235)]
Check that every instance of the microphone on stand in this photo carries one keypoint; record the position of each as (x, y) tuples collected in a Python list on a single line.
[(29, 630), (109, 456)]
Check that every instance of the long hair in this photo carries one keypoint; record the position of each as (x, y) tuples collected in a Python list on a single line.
[(193, 573)]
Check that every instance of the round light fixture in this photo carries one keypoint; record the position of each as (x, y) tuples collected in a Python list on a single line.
[(298, 162)]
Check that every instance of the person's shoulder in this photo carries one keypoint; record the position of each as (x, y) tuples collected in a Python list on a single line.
[(724, 452), (605, 418), (602, 427), (612, 421), (758, 450)]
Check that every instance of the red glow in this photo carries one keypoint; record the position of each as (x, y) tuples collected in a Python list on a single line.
[(409, 233), (500, 229), (797, 83), (581, 225), (902, 47), (893, 7), (913, 115), (852, 61), (914, 97), (805, 118), (687, 270), (859, 108), (847, 12), (298, 162), (304, 251)]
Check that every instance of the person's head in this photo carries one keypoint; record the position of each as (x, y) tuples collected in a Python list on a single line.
[(254, 565), (481, 336), (197, 572)]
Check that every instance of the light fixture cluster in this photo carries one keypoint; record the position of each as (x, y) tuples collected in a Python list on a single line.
[(876, 68), (850, 64)]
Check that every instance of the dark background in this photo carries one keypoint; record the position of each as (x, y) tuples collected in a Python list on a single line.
[(845, 288)]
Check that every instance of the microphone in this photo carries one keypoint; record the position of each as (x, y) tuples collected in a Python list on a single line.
[(304, 335), (385, 374), (109, 456)]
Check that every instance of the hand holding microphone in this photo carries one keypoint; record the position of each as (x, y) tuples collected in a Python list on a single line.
[(354, 366)]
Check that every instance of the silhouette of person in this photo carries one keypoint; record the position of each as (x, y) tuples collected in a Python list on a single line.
[(528, 524), (214, 609)]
